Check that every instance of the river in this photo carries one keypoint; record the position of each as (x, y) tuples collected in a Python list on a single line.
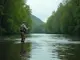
[(41, 47)]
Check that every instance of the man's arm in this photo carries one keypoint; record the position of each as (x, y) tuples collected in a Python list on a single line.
[(26, 27)]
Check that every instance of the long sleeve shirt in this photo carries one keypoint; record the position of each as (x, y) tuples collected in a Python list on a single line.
[(23, 27)]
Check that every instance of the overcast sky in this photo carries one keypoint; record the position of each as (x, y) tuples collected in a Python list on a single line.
[(43, 8)]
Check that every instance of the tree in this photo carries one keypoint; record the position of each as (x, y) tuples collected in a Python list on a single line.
[(66, 19), (12, 13)]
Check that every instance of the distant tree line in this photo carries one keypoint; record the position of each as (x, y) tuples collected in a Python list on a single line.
[(66, 20), (12, 13)]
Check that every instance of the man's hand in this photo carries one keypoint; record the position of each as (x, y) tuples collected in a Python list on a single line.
[(27, 28)]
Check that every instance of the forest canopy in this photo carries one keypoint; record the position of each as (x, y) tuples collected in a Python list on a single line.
[(12, 13), (66, 20)]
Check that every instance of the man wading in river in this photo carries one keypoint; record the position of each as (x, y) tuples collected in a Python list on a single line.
[(23, 30)]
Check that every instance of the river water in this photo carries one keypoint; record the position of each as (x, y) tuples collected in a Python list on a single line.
[(41, 47)]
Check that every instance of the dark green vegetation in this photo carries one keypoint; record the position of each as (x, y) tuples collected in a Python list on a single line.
[(37, 25), (12, 13), (66, 19)]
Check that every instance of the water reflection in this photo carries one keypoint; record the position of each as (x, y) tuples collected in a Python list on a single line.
[(41, 47), (54, 48), (5, 46), (25, 50), (9, 50)]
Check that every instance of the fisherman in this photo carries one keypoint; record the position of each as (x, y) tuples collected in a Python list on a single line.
[(23, 29)]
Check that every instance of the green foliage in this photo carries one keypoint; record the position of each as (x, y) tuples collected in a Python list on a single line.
[(12, 13), (66, 19)]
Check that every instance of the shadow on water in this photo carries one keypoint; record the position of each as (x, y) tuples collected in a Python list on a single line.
[(9, 50)]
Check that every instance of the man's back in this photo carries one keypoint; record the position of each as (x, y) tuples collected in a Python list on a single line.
[(23, 28)]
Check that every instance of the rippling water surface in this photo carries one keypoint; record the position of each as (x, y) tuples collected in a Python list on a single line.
[(41, 47)]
